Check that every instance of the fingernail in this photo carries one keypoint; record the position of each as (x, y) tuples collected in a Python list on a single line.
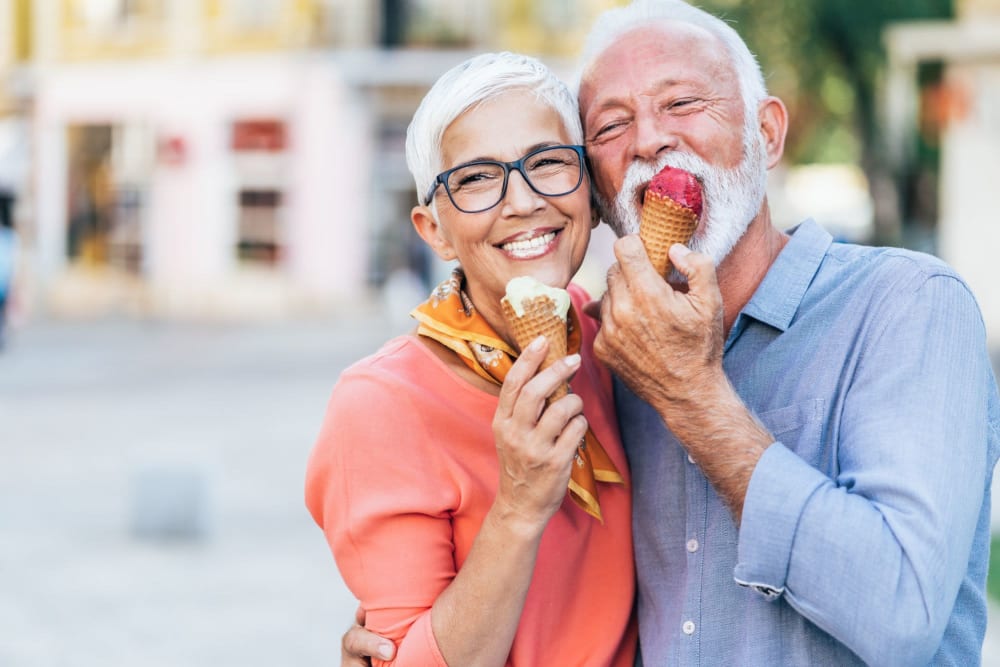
[(537, 344), (681, 250), (385, 650), (573, 360)]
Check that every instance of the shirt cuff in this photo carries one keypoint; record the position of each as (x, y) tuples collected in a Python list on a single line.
[(780, 487)]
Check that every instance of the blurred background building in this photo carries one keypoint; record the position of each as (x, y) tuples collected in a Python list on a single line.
[(245, 157), (959, 111), (230, 157)]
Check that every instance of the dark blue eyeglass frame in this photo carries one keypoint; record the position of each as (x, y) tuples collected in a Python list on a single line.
[(517, 165)]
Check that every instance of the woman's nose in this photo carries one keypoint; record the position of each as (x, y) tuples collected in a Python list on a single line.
[(520, 198)]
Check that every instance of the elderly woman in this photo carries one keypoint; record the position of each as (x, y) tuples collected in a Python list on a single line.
[(440, 475)]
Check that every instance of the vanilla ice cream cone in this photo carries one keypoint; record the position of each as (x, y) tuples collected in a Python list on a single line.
[(533, 309)]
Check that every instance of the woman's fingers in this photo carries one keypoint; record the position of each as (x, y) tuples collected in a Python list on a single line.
[(570, 438), (521, 373), (526, 388), (536, 440), (533, 395)]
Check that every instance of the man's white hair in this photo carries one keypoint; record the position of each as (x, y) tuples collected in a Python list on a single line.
[(613, 24), (469, 84), (732, 196)]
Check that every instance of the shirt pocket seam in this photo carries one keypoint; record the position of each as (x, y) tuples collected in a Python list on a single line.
[(792, 417)]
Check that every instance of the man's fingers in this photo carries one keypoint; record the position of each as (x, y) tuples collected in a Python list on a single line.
[(632, 258), (360, 643), (697, 268), (615, 281)]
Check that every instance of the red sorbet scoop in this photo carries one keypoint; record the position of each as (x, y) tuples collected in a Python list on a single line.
[(678, 185), (670, 210)]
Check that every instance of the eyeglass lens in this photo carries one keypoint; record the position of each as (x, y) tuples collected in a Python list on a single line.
[(551, 171)]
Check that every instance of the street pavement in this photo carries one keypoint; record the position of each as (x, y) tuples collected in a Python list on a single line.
[(151, 507), (222, 565)]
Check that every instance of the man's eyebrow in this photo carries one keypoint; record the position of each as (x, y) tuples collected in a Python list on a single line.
[(621, 100), (610, 103)]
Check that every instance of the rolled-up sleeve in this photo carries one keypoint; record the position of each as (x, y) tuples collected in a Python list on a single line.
[(874, 550)]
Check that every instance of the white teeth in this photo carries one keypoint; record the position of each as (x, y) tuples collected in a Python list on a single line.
[(530, 246)]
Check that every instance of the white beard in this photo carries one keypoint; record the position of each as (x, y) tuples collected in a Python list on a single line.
[(731, 197)]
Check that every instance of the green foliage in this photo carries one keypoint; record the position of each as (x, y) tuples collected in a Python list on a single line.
[(825, 59), (993, 578)]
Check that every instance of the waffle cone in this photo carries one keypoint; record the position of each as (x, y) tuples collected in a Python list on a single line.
[(539, 320), (664, 222)]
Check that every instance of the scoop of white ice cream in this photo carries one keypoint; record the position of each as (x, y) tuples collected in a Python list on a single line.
[(527, 288)]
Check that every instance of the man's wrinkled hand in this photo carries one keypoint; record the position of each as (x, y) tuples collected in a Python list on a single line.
[(359, 644), (662, 342)]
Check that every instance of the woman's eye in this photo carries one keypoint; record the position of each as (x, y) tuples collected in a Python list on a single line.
[(546, 162), (474, 178)]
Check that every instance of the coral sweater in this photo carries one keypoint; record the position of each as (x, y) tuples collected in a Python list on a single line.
[(401, 478)]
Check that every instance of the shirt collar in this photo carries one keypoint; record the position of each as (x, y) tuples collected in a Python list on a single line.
[(778, 296)]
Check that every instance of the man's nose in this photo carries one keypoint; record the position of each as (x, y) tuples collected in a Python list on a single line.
[(653, 135)]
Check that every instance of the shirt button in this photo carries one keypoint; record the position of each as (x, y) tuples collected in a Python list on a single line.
[(690, 460), (688, 627), (692, 545)]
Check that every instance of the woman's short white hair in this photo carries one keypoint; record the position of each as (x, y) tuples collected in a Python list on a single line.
[(469, 84), (614, 23)]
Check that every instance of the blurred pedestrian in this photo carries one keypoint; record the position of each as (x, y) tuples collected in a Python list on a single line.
[(8, 256)]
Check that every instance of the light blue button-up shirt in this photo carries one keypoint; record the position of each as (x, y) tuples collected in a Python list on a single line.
[(865, 534)]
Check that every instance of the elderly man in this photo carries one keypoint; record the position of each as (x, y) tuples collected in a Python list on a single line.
[(811, 426), (812, 456)]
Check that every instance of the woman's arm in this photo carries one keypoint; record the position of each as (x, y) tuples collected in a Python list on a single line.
[(387, 510), (476, 616)]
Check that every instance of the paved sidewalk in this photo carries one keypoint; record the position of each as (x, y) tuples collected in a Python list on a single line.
[(89, 410)]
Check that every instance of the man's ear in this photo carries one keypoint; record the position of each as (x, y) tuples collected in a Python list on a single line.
[(430, 230), (773, 127)]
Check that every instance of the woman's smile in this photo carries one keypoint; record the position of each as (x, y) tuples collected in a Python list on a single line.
[(535, 243)]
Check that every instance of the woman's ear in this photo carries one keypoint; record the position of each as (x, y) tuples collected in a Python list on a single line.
[(430, 230), (595, 211)]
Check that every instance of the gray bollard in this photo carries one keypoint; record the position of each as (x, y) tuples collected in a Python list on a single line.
[(171, 502)]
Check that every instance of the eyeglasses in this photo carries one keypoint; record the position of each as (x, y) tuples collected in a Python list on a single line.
[(474, 187)]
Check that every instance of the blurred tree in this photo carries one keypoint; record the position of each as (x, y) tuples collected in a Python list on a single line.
[(825, 59)]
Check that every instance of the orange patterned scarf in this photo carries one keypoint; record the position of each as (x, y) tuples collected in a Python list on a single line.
[(449, 317)]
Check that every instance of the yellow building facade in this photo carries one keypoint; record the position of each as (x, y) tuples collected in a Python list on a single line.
[(233, 157)]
